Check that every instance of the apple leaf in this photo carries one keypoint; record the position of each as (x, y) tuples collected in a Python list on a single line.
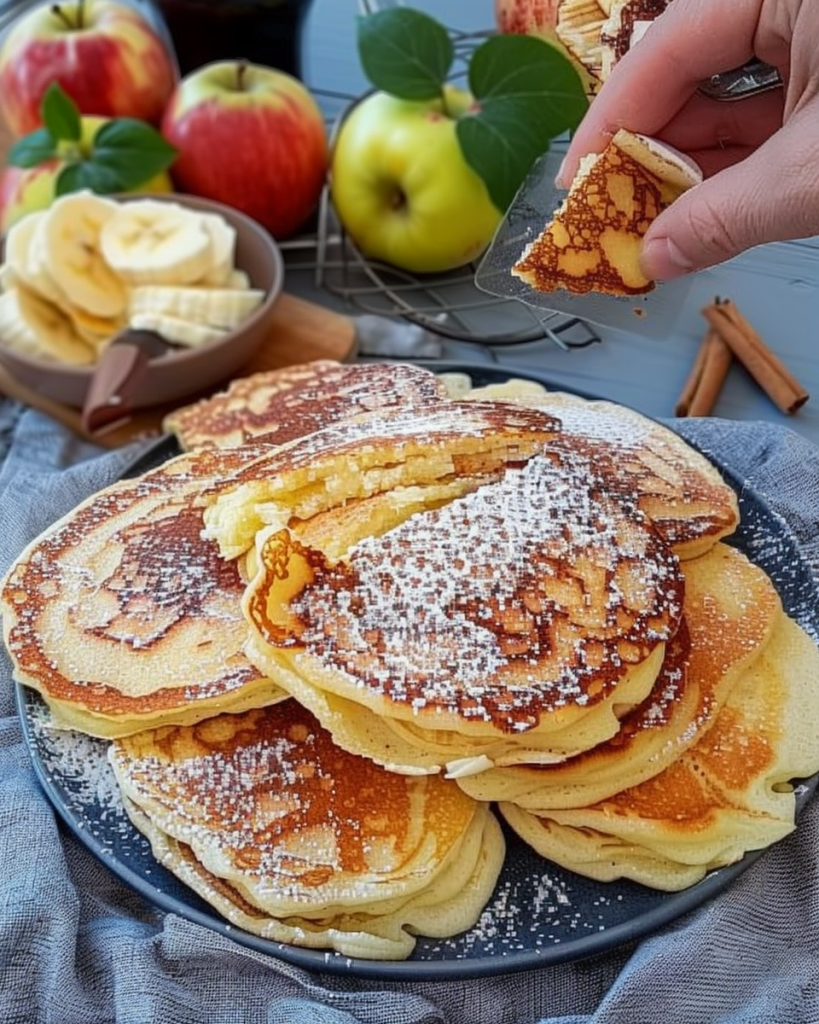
[(86, 175), (132, 150), (60, 115), (405, 52), (124, 153), (33, 149), (527, 93)]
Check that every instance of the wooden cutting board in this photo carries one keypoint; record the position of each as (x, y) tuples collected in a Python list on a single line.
[(301, 331)]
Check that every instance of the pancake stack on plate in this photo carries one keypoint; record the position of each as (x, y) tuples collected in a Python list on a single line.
[(329, 651), (298, 841)]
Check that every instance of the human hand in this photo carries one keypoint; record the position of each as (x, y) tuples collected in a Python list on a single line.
[(759, 156)]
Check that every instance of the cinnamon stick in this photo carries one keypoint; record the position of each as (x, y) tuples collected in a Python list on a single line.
[(764, 366), (708, 372)]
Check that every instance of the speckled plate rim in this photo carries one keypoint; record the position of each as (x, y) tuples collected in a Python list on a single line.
[(637, 911)]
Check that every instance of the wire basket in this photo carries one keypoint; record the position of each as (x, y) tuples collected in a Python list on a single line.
[(448, 305)]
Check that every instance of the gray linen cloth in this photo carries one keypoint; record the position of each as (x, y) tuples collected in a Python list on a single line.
[(77, 945)]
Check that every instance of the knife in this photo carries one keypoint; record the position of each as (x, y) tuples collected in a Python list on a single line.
[(117, 378)]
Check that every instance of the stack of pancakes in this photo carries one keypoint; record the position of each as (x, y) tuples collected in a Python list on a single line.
[(329, 651), (298, 841)]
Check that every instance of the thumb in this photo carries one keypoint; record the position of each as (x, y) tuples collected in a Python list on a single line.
[(772, 195)]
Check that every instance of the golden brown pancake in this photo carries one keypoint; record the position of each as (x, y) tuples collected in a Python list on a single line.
[(293, 838), (682, 493), (452, 443), (592, 243), (725, 796), (528, 612), (280, 405), (730, 612), (122, 616)]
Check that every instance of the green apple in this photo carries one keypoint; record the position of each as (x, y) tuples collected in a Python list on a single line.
[(27, 189), (401, 187)]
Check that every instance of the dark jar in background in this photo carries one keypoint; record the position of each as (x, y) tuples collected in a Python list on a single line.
[(264, 32)]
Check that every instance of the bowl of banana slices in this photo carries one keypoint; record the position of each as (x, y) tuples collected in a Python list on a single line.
[(136, 300)]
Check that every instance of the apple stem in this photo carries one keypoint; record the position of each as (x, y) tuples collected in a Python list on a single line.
[(241, 69), (58, 12)]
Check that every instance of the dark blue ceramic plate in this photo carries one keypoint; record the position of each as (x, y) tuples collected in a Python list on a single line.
[(539, 915)]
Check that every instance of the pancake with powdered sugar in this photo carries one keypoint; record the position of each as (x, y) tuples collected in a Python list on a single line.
[(676, 486), (518, 621), (277, 406), (123, 617), (730, 793), (296, 840), (453, 445), (730, 612)]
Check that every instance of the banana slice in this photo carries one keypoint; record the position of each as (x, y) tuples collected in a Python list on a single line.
[(33, 326), (223, 249), (8, 279), (96, 330), (237, 279), (176, 330), (149, 241), (211, 307), (67, 242), (23, 263)]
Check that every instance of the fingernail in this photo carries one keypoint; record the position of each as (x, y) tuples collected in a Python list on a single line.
[(560, 181), (661, 259)]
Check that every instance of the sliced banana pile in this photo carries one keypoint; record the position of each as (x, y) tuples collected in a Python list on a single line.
[(77, 274)]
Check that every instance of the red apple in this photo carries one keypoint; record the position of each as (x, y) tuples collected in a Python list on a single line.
[(527, 17), (251, 137), (105, 55)]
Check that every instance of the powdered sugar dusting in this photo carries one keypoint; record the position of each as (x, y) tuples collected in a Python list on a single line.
[(79, 765), (531, 593)]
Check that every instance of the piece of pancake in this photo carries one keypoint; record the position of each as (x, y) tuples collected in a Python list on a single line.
[(280, 405), (578, 27), (627, 23), (730, 611), (522, 619), (123, 617), (592, 243), (676, 486), (729, 794), (452, 443), (294, 839)]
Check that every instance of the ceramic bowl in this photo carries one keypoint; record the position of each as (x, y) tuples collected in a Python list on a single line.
[(177, 373)]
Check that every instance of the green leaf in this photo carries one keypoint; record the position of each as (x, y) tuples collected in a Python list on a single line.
[(405, 52), (131, 150), (85, 174), (527, 94), (60, 115), (33, 149)]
